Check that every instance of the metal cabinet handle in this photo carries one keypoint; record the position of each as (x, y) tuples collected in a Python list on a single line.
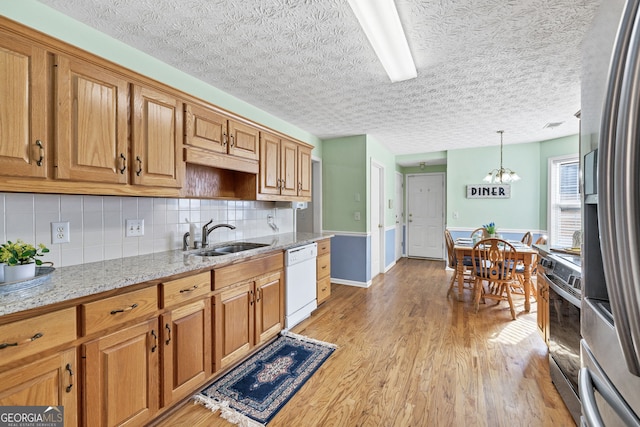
[(70, 386), (139, 160), (17, 343), (122, 310), (191, 289), (168, 328), (233, 142), (299, 185), (258, 291), (155, 344), (124, 163), (252, 299), (224, 139), (39, 144)]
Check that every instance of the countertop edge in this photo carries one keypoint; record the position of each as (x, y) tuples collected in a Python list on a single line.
[(84, 280)]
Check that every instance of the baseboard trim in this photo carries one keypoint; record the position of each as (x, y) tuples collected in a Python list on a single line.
[(351, 283)]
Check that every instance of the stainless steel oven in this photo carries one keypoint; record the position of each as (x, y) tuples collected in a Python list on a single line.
[(563, 274)]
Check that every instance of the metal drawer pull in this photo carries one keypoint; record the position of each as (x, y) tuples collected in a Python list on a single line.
[(166, 325), (191, 289), (122, 310), (124, 163), (68, 369), (15, 344), (139, 160), (155, 344), (39, 144)]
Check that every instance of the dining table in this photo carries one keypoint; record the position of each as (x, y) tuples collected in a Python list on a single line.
[(525, 254)]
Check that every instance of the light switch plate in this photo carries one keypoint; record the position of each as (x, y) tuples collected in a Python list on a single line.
[(134, 228), (60, 232)]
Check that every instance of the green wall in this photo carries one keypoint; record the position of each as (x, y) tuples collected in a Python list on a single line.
[(470, 166), (552, 148), (527, 207), (381, 155), (49, 21), (344, 183)]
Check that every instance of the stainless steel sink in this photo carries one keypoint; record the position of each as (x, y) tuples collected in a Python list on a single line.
[(239, 247), (229, 249)]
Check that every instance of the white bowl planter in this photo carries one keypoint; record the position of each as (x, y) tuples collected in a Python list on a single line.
[(15, 273)]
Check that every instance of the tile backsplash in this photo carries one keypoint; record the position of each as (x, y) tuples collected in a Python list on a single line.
[(97, 223)]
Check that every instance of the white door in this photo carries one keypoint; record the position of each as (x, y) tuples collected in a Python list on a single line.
[(425, 215), (377, 219), (399, 214)]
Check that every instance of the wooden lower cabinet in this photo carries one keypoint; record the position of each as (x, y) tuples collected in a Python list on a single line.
[(121, 382), (245, 315), (50, 381), (186, 350), (543, 307), (323, 271)]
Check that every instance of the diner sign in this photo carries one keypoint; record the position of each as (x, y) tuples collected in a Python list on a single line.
[(488, 191)]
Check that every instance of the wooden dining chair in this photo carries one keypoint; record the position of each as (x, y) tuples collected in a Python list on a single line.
[(542, 240), (481, 232), (527, 239), (453, 263), (494, 263)]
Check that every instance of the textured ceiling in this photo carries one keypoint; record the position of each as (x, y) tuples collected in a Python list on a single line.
[(483, 65)]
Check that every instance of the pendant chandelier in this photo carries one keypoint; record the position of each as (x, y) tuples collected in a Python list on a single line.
[(502, 175)]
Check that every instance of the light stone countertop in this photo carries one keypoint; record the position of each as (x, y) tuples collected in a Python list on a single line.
[(68, 283)]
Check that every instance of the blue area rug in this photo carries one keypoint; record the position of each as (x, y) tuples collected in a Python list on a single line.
[(252, 393)]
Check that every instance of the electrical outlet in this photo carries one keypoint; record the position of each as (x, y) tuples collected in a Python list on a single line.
[(356, 216), (134, 228), (60, 232)]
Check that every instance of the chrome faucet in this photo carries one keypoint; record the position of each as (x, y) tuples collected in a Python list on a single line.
[(206, 230)]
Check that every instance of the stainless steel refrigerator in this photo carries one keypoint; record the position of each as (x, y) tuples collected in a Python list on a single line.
[(609, 379)]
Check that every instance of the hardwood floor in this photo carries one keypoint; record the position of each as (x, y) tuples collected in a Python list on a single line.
[(410, 356)]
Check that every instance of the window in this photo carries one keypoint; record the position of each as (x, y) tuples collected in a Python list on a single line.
[(564, 201)]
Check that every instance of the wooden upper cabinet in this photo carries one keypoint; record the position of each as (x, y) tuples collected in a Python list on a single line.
[(304, 171), (157, 138), (91, 123), (244, 140), (269, 164), (285, 169), (24, 144), (206, 129), (214, 132)]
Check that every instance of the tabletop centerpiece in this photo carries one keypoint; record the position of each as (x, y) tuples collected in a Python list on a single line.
[(20, 259), (490, 229)]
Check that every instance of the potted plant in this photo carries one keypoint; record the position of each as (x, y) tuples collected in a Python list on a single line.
[(491, 229), (20, 259)]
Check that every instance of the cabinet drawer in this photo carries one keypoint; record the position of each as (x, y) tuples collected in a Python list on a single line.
[(324, 289), (184, 289), (113, 311), (246, 270), (37, 334), (323, 266), (324, 246)]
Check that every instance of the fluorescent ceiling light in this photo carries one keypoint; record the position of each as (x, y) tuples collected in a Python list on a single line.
[(380, 21)]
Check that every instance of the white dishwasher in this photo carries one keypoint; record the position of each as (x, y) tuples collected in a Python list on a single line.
[(300, 275)]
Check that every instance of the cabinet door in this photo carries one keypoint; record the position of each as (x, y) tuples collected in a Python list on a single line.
[(121, 376), (50, 381), (205, 129), (288, 168), (186, 347), (91, 123), (157, 139), (243, 140), (269, 164), (269, 307), (234, 324), (304, 171), (24, 144)]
